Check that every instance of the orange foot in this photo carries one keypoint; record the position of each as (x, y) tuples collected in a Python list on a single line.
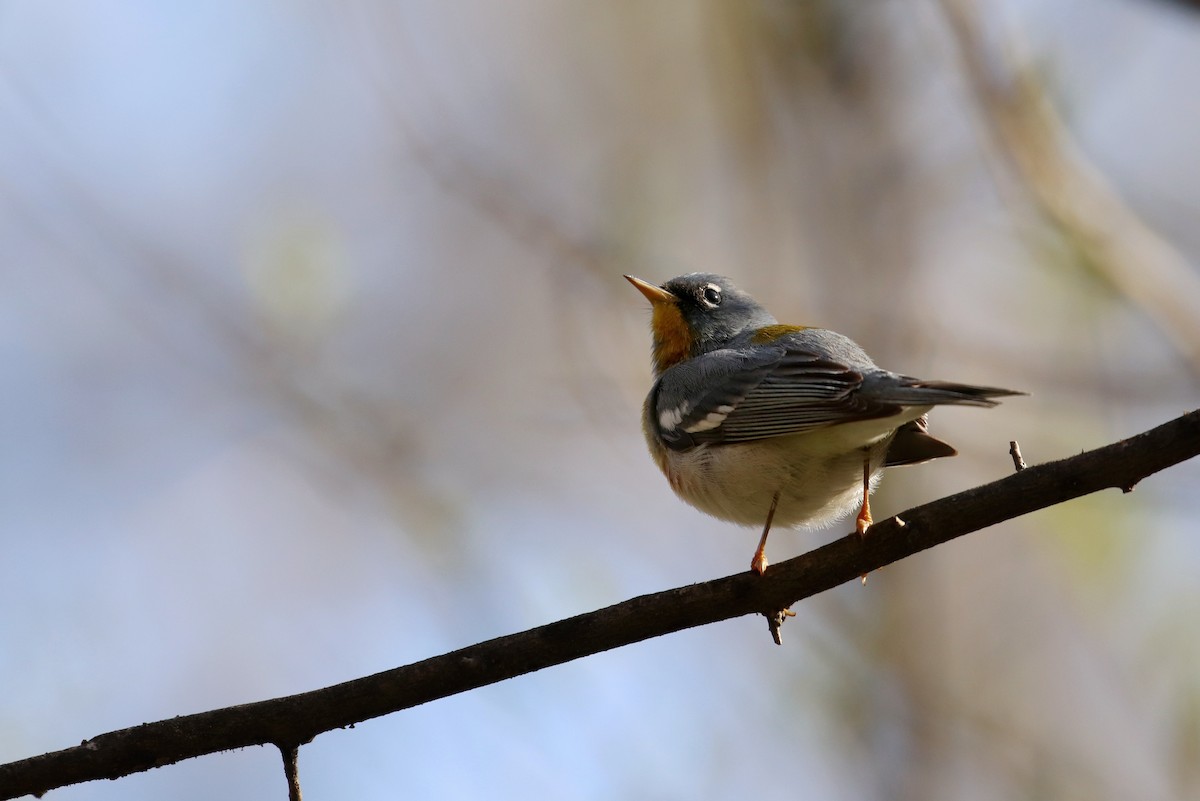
[(864, 521)]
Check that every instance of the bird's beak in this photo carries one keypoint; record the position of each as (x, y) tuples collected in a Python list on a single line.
[(654, 294)]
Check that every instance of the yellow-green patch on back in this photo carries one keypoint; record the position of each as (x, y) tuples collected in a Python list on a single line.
[(770, 333)]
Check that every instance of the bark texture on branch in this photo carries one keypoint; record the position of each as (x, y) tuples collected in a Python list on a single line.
[(291, 721)]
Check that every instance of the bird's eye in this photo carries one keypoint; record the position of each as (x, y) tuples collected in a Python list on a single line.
[(712, 295)]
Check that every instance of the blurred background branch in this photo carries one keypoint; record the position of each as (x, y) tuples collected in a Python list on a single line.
[(1117, 246)]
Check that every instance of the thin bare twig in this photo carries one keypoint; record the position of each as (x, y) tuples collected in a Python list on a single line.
[(291, 756), (1014, 450), (299, 718)]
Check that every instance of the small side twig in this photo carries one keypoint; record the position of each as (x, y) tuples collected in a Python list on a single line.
[(1014, 450), (775, 623), (291, 755)]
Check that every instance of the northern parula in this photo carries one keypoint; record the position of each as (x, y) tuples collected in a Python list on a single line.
[(756, 422)]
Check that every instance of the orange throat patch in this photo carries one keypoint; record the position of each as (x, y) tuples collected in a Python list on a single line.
[(672, 337)]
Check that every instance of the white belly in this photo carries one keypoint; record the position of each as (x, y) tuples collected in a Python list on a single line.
[(818, 475)]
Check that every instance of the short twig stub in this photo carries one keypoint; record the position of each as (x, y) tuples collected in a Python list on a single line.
[(1014, 450)]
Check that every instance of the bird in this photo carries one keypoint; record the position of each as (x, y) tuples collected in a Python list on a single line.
[(760, 423)]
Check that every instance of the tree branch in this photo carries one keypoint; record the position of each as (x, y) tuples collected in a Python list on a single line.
[(296, 719)]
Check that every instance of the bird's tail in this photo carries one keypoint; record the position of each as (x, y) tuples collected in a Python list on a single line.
[(919, 392)]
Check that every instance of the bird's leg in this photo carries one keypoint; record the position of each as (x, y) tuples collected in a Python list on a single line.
[(864, 520), (759, 563)]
